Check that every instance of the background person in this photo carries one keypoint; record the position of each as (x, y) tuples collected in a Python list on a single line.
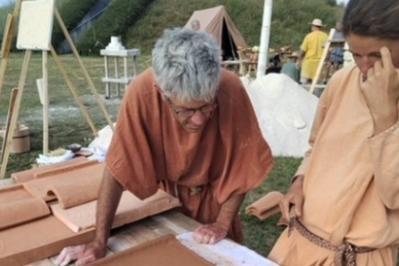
[(291, 68), (312, 50)]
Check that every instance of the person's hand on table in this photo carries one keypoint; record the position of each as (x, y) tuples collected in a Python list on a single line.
[(210, 233), (82, 254)]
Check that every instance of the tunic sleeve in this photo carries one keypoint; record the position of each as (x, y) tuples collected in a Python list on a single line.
[(384, 149), (129, 158)]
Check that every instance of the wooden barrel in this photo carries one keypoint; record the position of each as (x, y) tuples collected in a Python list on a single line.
[(20, 141)]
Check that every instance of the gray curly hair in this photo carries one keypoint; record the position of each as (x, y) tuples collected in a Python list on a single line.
[(187, 65)]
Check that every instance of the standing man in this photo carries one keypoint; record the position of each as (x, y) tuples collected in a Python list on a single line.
[(343, 204), (312, 50), (187, 126)]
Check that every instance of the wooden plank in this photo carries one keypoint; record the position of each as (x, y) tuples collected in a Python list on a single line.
[(8, 37), (84, 70), (121, 80), (5, 48), (321, 63), (158, 227), (118, 243), (6, 183), (45, 262), (184, 221), (5, 45), (14, 118), (45, 101), (170, 223), (17, 8), (146, 230), (135, 235), (107, 91), (13, 97)]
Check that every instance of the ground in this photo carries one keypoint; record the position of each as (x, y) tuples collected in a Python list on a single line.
[(68, 126)]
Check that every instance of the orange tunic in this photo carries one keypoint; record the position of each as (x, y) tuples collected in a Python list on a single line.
[(150, 149), (351, 183)]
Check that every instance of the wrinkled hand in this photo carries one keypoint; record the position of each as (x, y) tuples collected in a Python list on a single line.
[(293, 199), (210, 233), (381, 90), (83, 254)]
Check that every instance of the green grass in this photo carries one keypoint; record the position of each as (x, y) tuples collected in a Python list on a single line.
[(261, 235)]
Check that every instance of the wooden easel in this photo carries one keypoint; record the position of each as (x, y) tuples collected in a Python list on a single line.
[(8, 37), (13, 119), (14, 110), (321, 63), (13, 98)]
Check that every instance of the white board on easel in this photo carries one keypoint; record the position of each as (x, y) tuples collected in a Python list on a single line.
[(35, 25)]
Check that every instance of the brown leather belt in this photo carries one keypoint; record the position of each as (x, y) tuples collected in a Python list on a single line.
[(193, 190), (345, 254)]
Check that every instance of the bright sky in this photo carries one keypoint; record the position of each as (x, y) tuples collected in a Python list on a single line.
[(5, 2)]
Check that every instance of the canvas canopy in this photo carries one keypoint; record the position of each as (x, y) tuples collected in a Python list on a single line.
[(217, 22)]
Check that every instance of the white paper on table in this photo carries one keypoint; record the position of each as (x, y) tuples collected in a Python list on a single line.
[(47, 160), (225, 252)]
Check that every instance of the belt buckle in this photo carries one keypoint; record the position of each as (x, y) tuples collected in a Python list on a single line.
[(195, 190)]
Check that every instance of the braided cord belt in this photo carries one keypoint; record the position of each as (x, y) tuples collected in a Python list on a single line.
[(345, 254)]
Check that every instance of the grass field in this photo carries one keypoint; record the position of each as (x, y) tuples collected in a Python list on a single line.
[(67, 126)]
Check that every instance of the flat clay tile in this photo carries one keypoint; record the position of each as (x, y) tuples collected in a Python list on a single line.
[(163, 251), (37, 240)]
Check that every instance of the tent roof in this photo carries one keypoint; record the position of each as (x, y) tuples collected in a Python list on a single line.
[(211, 20)]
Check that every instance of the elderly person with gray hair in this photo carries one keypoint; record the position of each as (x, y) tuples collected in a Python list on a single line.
[(188, 127)]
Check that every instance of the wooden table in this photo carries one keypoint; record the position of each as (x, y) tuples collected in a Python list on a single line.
[(171, 222)]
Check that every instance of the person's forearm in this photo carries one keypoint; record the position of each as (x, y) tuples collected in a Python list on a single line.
[(107, 203), (301, 55), (229, 210)]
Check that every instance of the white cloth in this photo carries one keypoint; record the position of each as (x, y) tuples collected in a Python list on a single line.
[(225, 252), (47, 160)]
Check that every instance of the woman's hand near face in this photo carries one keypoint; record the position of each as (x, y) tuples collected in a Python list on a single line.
[(381, 91)]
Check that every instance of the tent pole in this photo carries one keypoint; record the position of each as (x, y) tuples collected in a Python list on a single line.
[(264, 38)]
